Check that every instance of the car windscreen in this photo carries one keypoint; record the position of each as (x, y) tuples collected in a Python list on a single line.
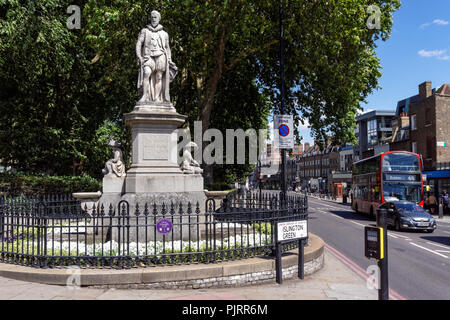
[(409, 207)]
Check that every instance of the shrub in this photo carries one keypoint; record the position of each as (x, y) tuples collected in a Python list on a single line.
[(24, 183)]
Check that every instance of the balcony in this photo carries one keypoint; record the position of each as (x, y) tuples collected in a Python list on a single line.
[(402, 135), (383, 127)]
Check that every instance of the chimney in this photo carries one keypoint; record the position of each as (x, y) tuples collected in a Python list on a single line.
[(425, 90), (306, 146)]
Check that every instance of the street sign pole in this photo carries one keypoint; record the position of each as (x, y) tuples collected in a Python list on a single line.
[(290, 231), (301, 259), (383, 292)]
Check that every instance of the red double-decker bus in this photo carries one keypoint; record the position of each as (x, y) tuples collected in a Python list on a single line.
[(389, 176)]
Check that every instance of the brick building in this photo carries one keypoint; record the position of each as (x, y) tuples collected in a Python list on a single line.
[(423, 126), (316, 167)]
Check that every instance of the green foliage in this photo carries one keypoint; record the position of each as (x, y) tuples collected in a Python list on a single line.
[(263, 228), (42, 183), (59, 86)]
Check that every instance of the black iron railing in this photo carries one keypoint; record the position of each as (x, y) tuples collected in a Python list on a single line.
[(56, 231)]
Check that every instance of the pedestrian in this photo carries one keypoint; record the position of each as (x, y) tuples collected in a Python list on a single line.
[(444, 201), (431, 203)]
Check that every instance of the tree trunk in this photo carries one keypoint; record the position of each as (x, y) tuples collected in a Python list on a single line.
[(208, 102)]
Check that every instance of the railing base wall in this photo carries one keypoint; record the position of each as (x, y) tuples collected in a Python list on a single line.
[(227, 274)]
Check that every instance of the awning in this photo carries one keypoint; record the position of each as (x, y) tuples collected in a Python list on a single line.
[(437, 174)]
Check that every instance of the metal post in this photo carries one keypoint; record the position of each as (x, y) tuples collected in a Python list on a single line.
[(383, 292), (283, 151), (278, 266), (301, 259)]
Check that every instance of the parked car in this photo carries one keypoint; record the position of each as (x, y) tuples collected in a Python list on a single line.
[(404, 215)]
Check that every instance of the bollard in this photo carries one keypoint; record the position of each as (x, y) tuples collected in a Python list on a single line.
[(383, 292)]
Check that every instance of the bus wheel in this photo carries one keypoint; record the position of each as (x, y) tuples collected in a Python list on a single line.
[(356, 208), (371, 213)]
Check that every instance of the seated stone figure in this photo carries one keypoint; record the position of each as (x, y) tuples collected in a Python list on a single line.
[(115, 166), (189, 165)]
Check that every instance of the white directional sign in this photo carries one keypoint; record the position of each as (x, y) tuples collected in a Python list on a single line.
[(291, 230), (284, 131)]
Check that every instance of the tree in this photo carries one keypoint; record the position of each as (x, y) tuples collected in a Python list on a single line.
[(58, 86), (50, 104), (331, 65)]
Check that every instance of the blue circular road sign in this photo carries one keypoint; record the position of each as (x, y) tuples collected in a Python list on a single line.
[(283, 130)]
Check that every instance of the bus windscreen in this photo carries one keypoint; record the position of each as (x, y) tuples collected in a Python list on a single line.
[(401, 162)]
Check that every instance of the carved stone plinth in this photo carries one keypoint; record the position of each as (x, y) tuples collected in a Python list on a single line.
[(155, 166)]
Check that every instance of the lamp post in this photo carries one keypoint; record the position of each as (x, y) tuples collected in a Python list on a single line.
[(283, 176)]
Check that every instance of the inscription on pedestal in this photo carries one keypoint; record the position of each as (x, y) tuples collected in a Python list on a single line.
[(156, 147)]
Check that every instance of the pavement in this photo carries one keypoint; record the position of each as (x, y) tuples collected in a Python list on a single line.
[(419, 262), (334, 282)]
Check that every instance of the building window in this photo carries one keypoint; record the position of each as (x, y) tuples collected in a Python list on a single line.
[(372, 136), (413, 122), (414, 147)]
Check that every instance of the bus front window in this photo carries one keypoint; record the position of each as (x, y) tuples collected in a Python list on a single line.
[(399, 191)]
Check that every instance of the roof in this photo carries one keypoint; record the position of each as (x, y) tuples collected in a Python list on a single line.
[(375, 113), (444, 90)]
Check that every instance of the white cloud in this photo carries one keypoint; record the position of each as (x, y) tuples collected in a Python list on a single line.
[(439, 54), (438, 22), (433, 53)]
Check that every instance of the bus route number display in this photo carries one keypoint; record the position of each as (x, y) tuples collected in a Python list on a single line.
[(292, 230)]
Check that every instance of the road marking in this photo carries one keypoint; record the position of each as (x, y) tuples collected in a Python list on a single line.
[(445, 231), (432, 251), (391, 235), (438, 245), (334, 207), (402, 236), (359, 224), (444, 251), (332, 214)]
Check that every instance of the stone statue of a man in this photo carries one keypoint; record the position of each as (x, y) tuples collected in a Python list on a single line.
[(156, 69)]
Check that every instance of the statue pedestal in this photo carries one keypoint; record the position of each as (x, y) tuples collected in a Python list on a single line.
[(155, 167)]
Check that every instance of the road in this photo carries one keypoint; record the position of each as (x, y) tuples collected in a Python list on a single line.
[(419, 263)]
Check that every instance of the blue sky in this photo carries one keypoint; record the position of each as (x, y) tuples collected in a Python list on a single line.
[(417, 51)]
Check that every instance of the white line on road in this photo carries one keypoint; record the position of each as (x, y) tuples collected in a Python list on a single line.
[(444, 251), (438, 245), (359, 224), (391, 235), (402, 236), (445, 231), (332, 214), (432, 251), (335, 207)]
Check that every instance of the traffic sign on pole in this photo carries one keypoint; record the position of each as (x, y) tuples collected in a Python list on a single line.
[(284, 131)]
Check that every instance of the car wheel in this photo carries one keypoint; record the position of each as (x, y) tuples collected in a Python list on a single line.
[(397, 225)]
